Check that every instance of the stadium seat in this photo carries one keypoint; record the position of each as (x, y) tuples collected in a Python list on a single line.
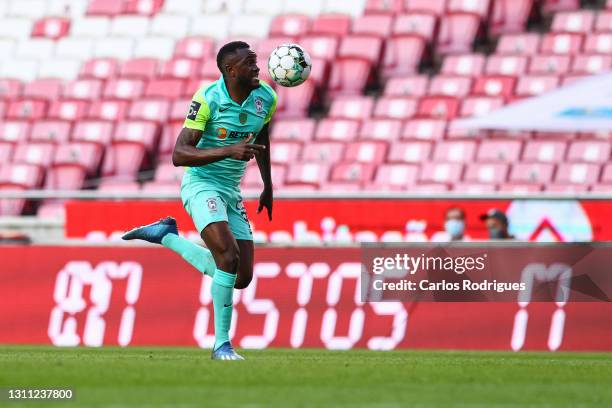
[(101, 68), (118, 47), (295, 102), (285, 152), (470, 65), (121, 185), (75, 48), (536, 173), (86, 155), (93, 131), (335, 24), (455, 152), (380, 129), (545, 152), (493, 173), (6, 151), (53, 131), (561, 43), (395, 108), (604, 21), (591, 64), (510, 65), (130, 26), (143, 7), (436, 7), (12, 131), (494, 151), (40, 154), (48, 89), (577, 173), (123, 88), (410, 152), (573, 21), (409, 86), (444, 173), (51, 27), (28, 109), (139, 68), (377, 25), (549, 64), (291, 25), (373, 152), (169, 26), (337, 130), (552, 6), (533, 85), (416, 24), (494, 85), (509, 16), (589, 151), (518, 188), (354, 107), (10, 88), (519, 44), (155, 110), (253, 26), (321, 46), (313, 174), (301, 130), (154, 47), (167, 173), (394, 177), (23, 175), (424, 129), (323, 152), (402, 56), (353, 173), (566, 188), (178, 110), (309, 8), (68, 109), (105, 7), (438, 107), (450, 85), (364, 47), (83, 89), (480, 105), (252, 177), (606, 174), (11, 207), (458, 32), (194, 47), (383, 7), (145, 133), (473, 188), (168, 137), (123, 160)]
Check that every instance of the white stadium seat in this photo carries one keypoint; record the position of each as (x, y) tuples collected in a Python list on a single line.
[(7, 48), (223, 6), (130, 26), (270, 7), (77, 48), (211, 25), (183, 7), (97, 27), (16, 28), (310, 8), (61, 69), (122, 48), (67, 8), (164, 25), (154, 47), (31, 9), (37, 48), (250, 26), (20, 69), (350, 7)]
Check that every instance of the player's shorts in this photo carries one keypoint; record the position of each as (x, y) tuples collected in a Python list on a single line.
[(206, 205)]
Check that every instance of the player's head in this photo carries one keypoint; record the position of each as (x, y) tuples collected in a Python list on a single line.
[(238, 62)]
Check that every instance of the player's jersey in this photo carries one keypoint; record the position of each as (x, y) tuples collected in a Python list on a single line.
[(225, 122)]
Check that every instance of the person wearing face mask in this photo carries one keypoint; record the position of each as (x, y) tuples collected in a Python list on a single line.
[(454, 223), (497, 224)]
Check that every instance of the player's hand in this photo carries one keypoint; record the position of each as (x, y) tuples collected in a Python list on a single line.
[(265, 200), (244, 150)]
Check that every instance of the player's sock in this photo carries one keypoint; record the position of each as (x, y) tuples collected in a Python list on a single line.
[(222, 290), (198, 256)]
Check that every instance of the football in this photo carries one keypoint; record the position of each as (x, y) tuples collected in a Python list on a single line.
[(289, 65)]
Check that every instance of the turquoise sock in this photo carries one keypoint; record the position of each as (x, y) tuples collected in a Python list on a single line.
[(222, 290), (198, 256)]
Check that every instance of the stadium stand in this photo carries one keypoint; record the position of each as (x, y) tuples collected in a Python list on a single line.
[(94, 92)]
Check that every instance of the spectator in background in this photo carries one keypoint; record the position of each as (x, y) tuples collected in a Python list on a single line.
[(497, 224), (454, 223)]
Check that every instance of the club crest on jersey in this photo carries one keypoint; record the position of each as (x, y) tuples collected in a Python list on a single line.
[(242, 117), (258, 105), (212, 204)]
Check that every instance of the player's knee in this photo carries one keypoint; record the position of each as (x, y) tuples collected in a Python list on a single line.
[(228, 259), (242, 282)]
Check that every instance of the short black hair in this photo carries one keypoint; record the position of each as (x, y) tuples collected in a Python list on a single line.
[(227, 50)]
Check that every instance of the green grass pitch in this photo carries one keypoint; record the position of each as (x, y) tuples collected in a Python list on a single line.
[(186, 377)]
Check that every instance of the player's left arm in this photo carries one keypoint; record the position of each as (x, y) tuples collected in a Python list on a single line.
[(263, 162)]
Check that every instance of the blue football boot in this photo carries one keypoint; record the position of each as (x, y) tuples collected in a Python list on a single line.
[(153, 232), (226, 352)]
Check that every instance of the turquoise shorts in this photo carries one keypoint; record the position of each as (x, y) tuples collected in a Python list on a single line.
[(207, 204)]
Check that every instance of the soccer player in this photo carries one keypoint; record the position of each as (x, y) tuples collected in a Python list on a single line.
[(226, 126)]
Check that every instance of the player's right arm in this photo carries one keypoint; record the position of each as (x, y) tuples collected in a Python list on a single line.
[(187, 154)]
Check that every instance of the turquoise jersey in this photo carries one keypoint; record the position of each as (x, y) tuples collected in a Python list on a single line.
[(225, 122)]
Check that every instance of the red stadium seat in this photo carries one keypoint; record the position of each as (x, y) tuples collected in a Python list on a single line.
[(455, 130), (54, 131), (354, 107), (383, 6), (439, 107), (549, 64), (293, 129), (366, 152), (450, 85), (51, 27), (123, 88), (545, 152), (285, 152), (93, 131), (573, 21), (470, 65), (380, 129), (589, 151), (577, 173), (165, 88), (495, 85), (11, 207), (321, 46), (518, 188), (267, 45), (100, 68), (495, 151), (29, 109), (437, 7), (40, 154), (473, 188), (142, 132), (195, 47), (458, 32), (606, 174), (361, 46), (601, 188), (566, 188), (561, 43), (105, 7), (511, 65), (429, 188), (168, 173), (416, 24), (395, 108), (535, 85), (604, 21), (479, 7), (209, 69), (333, 24), (410, 152), (252, 177), (591, 64), (403, 55), (180, 68), (424, 129), (395, 177), (24, 175), (289, 24), (83, 89), (82, 154), (139, 68), (108, 110), (552, 6), (156, 110), (294, 102), (480, 105), (409, 86), (161, 187), (43, 88), (10, 88), (337, 130), (143, 7), (534, 173), (123, 160), (14, 131), (307, 174), (358, 173), (323, 152), (455, 152), (68, 109), (519, 44), (168, 137), (493, 173), (178, 110), (510, 16), (377, 25), (445, 173), (6, 151)]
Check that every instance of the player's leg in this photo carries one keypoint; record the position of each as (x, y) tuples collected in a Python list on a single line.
[(241, 229), (226, 253), (245, 268)]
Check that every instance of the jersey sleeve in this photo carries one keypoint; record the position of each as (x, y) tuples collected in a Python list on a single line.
[(198, 113)]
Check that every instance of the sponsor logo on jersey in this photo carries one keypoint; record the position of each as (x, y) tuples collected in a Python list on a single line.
[(223, 133)]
